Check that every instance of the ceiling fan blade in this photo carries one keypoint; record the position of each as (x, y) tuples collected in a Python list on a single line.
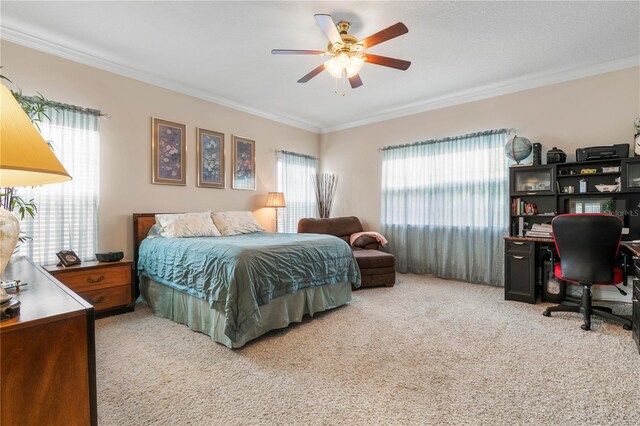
[(385, 61), (355, 81), (384, 35), (329, 27), (312, 74), (296, 52)]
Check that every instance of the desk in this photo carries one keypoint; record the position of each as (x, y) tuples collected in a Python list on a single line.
[(523, 277)]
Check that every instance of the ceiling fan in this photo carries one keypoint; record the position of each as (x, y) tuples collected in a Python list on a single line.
[(347, 52)]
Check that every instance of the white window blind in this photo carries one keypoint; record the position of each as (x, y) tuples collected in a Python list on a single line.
[(295, 180), (67, 212)]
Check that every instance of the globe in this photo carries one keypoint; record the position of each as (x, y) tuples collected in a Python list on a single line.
[(518, 148)]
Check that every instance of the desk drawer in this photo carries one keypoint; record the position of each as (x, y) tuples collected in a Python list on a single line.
[(108, 297), (83, 280), (519, 247)]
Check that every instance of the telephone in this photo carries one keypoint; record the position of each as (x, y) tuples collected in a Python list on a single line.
[(67, 258)]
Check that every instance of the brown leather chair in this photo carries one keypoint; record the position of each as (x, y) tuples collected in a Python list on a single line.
[(376, 267)]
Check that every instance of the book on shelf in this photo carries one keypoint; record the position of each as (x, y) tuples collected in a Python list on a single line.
[(519, 207), (540, 230), (537, 234)]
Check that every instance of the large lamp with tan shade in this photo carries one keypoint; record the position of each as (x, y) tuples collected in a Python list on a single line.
[(276, 201), (25, 160)]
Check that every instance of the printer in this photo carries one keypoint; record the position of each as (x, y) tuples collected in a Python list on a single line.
[(620, 150)]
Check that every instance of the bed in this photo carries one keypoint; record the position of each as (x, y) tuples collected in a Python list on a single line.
[(237, 288)]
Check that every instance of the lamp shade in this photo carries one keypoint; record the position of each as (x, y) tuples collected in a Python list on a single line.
[(276, 199), (25, 158)]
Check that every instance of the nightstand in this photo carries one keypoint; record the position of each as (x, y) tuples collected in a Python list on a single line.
[(106, 285)]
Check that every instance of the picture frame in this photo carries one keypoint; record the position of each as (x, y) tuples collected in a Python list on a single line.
[(168, 152), (243, 163), (210, 159)]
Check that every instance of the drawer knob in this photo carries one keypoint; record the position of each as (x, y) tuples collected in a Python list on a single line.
[(518, 257), (518, 243), (97, 301), (92, 281)]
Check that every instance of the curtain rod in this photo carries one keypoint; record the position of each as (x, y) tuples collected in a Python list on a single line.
[(448, 139), (67, 107), (311, 157)]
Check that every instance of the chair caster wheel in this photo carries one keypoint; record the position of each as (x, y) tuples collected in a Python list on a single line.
[(546, 313), (585, 327), (626, 327)]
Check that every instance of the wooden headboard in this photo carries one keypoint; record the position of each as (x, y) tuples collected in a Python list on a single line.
[(142, 222)]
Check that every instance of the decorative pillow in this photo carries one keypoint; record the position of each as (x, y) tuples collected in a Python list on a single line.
[(187, 225), (154, 231), (364, 240), (235, 223)]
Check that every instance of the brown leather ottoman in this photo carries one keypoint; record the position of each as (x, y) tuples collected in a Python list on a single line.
[(377, 268)]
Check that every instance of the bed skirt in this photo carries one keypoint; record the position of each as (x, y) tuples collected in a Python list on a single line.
[(195, 313)]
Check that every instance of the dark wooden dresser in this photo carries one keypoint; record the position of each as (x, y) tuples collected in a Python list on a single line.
[(47, 353)]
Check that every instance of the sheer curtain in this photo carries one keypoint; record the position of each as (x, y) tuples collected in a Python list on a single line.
[(67, 212), (444, 206), (295, 180)]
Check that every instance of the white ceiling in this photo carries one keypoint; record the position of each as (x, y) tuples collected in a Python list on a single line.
[(220, 51)]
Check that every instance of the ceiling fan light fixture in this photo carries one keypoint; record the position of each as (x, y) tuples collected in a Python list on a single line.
[(343, 59), (333, 68), (355, 65), (341, 63)]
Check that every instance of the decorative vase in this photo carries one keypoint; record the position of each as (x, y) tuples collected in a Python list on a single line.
[(9, 233), (637, 144)]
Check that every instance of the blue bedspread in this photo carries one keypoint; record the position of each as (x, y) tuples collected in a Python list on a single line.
[(239, 274)]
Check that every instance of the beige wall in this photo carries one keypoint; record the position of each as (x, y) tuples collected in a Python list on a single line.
[(590, 111), (597, 110), (125, 152)]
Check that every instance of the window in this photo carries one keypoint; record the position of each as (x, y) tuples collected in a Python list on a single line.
[(296, 173), (67, 212), (444, 206)]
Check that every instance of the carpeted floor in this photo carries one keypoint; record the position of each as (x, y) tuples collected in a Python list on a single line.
[(427, 351)]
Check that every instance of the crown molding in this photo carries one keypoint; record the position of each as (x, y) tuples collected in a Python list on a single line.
[(531, 81), (55, 49)]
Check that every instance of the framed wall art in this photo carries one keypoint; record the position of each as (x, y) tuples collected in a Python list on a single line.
[(210, 159), (244, 163), (169, 152)]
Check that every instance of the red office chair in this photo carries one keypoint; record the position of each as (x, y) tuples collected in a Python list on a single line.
[(588, 246)]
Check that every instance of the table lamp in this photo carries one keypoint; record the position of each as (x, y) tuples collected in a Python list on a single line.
[(276, 200), (25, 160)]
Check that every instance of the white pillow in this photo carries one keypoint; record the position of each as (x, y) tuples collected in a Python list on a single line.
[(235, 223), (187, 225)]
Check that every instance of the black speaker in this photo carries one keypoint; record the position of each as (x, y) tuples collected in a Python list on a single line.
[(537, 154)]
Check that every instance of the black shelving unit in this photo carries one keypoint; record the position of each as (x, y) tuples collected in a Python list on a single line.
[(546, 187)]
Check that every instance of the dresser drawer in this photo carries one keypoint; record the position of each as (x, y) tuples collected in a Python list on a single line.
[(108, 297), (519, 247), (82, 280)]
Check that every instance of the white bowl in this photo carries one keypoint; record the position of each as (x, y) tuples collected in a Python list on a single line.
[(608, 188)]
